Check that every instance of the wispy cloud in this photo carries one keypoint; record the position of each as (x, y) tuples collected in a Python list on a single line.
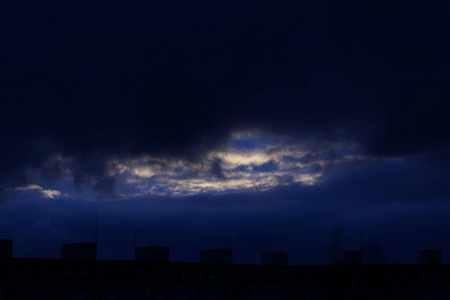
[(36, 188)]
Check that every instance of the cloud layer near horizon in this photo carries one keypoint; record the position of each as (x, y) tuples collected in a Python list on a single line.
[(384, 200)]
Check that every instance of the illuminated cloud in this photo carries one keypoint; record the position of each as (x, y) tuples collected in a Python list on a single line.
[(36, 188), (250, 161), (144, 172)]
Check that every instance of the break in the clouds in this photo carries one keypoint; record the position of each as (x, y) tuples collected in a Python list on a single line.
[(268, 163), (248, 161)]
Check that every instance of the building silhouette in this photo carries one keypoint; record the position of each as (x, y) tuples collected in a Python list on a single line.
[(431, 256), (79, 251), (218, 279), (152, 253), (275, 259), (6, 248), (216, 256)]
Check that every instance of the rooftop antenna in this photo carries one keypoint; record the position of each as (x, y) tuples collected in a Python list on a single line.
[(96, 245), (96, 226), (362, 247), (362, 242), (135, 243)]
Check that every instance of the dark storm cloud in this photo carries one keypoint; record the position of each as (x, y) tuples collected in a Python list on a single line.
[(93, 80), (407, 47)]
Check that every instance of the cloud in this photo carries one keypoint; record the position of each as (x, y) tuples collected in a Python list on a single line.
[(51, 193), (36, 188), (144, 172)]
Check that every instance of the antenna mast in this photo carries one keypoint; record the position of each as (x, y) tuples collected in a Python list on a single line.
[(135, 243), (96, 217)]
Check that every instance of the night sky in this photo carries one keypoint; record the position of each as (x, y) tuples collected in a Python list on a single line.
[(225, 124)]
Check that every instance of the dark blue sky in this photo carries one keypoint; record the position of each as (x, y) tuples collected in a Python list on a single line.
[(243, 124)]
